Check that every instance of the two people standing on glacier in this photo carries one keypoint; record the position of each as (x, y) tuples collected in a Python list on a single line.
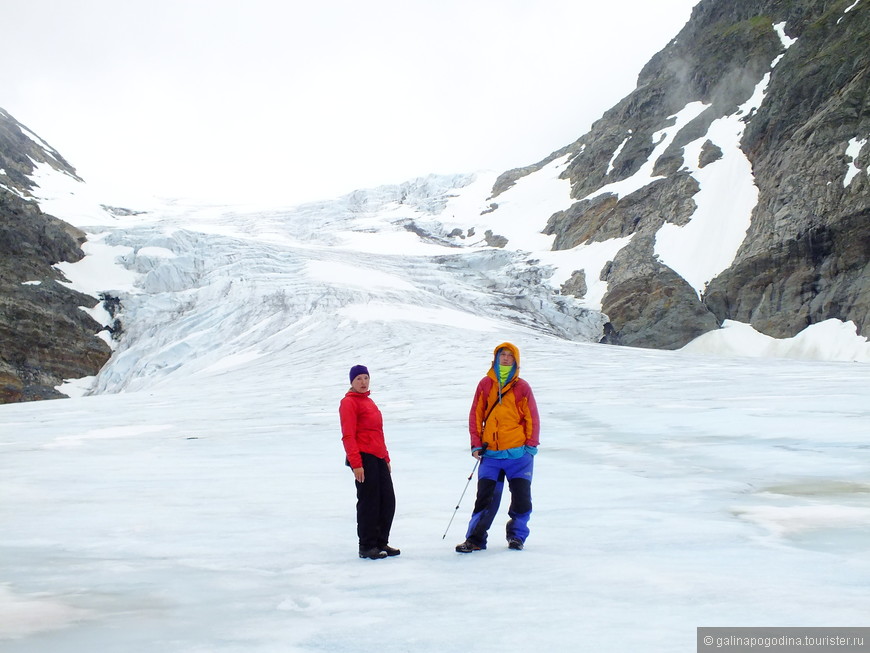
[(504, 427)]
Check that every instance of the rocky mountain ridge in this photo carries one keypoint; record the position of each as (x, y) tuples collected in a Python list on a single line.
[(801, 70), (46, 338)]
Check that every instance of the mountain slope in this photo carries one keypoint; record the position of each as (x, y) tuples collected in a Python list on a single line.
[(44, 336), (737, 173)]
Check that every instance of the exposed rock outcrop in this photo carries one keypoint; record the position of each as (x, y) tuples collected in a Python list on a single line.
[(45, 337)]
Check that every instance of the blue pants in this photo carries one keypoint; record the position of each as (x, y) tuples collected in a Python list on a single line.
[(490, 484)]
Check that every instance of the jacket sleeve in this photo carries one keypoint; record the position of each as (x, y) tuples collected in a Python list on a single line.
[(531, 420), (347, 413), (477, 413)]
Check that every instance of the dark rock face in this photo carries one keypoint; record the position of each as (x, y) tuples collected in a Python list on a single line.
[(810, 236), (44, 336), (18, 152), (671, 304), (822, 273), (805, 255)]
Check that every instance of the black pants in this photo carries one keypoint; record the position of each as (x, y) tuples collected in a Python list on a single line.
[(375, 503)]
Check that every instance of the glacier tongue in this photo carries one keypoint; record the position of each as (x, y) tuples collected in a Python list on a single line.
[(221, 284)]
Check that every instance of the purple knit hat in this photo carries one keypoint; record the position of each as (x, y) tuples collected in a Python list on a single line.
[(356, 370)]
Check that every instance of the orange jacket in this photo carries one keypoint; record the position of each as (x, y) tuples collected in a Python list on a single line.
[(506, 417)]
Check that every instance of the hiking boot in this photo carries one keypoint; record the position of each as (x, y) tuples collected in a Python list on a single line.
[(390, 551), (468, 546), (373, 553), (515, 543)]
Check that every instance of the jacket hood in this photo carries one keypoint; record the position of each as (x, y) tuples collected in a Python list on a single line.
[(515, 351)]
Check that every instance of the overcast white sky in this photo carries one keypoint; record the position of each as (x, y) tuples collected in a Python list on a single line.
[(293, 101)]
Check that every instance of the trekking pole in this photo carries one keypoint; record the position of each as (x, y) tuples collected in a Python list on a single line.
[(470, 476)]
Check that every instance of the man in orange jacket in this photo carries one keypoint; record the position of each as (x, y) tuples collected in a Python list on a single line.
[(505, 429)]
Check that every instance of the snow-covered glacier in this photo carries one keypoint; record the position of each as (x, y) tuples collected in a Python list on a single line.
[(213, 282)]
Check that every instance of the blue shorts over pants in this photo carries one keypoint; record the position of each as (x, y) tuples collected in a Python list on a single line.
[(490, 484)]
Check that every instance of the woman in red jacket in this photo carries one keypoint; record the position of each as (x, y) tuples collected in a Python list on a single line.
[(362, 434)]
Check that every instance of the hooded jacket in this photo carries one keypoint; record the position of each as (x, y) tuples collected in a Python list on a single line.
[(362, 428), (503, 416)]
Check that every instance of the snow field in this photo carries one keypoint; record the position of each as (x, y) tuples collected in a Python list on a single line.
[(214, 512)]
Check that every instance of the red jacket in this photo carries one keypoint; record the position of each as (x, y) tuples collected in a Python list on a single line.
[(362, 428)]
